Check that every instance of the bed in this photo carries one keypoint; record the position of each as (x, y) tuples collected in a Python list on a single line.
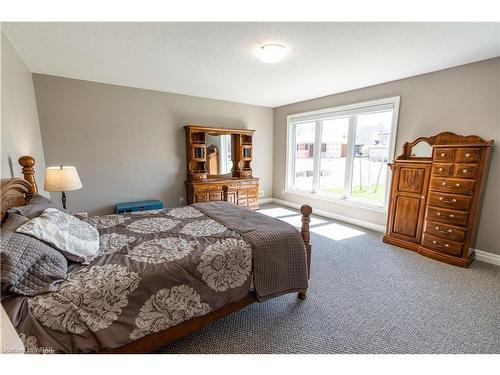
[(159, 275)]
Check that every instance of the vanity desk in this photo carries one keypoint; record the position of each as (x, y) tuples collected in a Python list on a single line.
[(218, 157)]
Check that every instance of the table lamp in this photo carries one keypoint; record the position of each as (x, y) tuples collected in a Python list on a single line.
[(61, 179)]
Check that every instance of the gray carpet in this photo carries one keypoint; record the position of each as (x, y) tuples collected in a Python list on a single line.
[(366, 297)]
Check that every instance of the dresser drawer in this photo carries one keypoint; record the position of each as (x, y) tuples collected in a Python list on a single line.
[(443, 154), (252, 201), (468, 155), (465, 170), (207, 187), (447, 216), (441, 169), (201, 197), (444, 231), (242, 202), (452, 185), (439, 244), (454, 201), (253, 192), (242, 193), (216, 196)]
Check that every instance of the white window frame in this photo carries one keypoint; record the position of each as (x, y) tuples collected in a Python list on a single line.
[(336, 112)]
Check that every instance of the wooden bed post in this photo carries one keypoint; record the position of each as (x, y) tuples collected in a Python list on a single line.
[(27, 162), (306, 212), (225, 188)]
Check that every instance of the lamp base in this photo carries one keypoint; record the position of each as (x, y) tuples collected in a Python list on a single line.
[(63, 199)]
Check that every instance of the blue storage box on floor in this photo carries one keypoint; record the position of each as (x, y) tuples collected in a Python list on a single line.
[(121, 208)]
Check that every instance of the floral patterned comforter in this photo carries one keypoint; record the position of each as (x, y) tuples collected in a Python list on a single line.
[(155, 269)]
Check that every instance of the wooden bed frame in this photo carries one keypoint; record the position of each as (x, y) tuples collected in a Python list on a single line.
[(18, 192)]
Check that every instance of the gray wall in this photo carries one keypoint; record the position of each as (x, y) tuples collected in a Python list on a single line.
[(464, 100), (19, 128), (129, 144)]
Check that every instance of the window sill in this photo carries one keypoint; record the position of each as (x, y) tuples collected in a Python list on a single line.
[(345, 202)]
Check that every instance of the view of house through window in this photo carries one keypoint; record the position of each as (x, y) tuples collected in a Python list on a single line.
[(343, 153)]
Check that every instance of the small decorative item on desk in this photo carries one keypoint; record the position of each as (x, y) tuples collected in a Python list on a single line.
[(122, 208)]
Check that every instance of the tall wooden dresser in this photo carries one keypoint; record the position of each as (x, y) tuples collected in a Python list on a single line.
[(436, 195), (229, 152)]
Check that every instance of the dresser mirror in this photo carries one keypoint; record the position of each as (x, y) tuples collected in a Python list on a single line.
[(420, 150), (219, 158)]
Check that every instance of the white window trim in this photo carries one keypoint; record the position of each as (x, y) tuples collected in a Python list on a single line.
[(392, 102)]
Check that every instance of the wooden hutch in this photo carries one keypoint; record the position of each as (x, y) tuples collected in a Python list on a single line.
[(436, 195), (206, 176)]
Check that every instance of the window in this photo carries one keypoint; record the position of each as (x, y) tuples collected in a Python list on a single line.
[(342, 153)]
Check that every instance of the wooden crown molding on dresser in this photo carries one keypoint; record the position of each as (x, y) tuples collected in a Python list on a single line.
[(436, 199)]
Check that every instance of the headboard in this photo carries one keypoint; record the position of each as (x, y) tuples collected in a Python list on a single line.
[(18, 191)]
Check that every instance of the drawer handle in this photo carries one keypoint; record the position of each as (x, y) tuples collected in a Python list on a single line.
[(438, 245), (443, 154), (467, 155), (465, 171), (451, 186), (450, 216), (450, 202), (449, 231), (440, 169)]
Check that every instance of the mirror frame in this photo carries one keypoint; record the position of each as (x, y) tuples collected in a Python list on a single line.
[(230, 173), (414, 157), (407, 147)]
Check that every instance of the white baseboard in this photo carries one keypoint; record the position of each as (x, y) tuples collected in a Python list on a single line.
[(329, 215), (486, 257), (481, 255), (265, 200)]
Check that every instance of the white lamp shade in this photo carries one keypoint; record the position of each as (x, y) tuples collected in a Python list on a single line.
[(62, 178)]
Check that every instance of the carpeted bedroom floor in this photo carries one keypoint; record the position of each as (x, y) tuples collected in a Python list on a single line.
[(364, 297)]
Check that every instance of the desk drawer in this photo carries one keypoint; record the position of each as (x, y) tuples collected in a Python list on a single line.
[(444, 231), (453, 201), (439, 244), (447, 216), (452, 185)]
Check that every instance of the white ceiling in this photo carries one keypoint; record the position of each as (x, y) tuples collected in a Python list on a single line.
[(216, 60)]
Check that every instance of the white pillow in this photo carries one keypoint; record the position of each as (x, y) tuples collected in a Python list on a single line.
[(76, 239)]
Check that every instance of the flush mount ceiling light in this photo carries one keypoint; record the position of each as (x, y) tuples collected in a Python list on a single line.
[(271, 53)]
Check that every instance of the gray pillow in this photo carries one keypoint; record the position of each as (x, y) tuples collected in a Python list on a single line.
[(36, 206), (13, 221), (28, 265)]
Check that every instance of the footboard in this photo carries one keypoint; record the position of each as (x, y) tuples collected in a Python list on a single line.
[(306, 212)]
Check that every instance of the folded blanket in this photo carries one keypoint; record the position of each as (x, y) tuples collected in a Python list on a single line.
[(279, 255)]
